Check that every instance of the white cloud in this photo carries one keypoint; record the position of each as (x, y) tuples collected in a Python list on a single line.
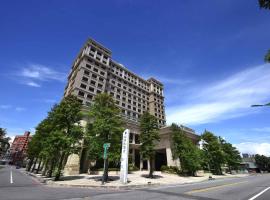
[(41, 72), (263, 129), (33, 74), (166, 80), (5, 106), (32, 84), (254, 148), (224, 99), (50, 101), (19, 109), (12, 107)]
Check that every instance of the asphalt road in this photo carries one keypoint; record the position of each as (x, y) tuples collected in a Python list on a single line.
[(16, 185)]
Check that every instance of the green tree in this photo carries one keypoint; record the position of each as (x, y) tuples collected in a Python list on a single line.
[(4, 141), (214, 154), (57, 136), (231, 155), (105, 126), (264, 4), (66, 120), (262, 162), (3, 132), (187, 152), (148, 137)]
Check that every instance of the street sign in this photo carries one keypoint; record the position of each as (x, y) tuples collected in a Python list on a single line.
[(124, 157), (106, 147)]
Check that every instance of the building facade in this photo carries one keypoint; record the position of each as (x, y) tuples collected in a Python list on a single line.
[(93, 72), (19, 148)]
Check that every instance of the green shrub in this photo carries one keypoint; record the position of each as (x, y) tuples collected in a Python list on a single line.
[(132, 167), (164, 168), (170, 169)]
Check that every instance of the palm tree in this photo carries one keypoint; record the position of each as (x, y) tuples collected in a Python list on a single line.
[(258, 105), (264, 4), (267, 57)]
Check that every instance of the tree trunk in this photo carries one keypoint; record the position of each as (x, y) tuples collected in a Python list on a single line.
[(59, 168), (34, 165), (45, 168), (51, 168), (105, 173), (39, 164), (30, 164), (151, 168)]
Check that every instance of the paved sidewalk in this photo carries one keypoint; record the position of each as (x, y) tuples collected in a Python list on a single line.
[(135, 180)]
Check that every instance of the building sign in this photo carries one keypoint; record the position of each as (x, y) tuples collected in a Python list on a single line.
[(124, 157)]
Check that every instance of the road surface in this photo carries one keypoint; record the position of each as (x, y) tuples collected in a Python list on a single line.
[(15, 185)]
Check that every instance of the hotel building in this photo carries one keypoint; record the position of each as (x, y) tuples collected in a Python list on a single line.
[(93, 72)]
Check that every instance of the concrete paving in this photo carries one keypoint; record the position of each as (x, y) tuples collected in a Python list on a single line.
[(135, 179), (24, 187)]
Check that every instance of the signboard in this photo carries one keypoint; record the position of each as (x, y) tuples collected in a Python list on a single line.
[(106, 147), (124, 157)]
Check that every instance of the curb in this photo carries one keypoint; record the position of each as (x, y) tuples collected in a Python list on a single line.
[(50, 182), (106, 186), (40, 179)]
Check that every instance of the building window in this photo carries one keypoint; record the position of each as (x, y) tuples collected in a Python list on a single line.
[(83, 86), (92, 82), (99, 86), (86, 72), (84, 79), (102, 73), (91, 89), (80, 93), (89, 96)]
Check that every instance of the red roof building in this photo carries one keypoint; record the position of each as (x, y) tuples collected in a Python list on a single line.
[(19, 147)]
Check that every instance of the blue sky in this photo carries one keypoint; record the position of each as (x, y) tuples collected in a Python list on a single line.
[(209, 56)]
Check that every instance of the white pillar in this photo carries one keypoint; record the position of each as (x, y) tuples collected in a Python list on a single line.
[(170, 160), (72, 166)]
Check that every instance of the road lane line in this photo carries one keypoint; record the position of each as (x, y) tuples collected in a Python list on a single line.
[(214, 187), (259, 194), (11, 177)]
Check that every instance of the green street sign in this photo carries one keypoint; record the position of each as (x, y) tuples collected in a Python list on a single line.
[(106, 147)]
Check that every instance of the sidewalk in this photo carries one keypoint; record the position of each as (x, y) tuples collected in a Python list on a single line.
[(135, 180)]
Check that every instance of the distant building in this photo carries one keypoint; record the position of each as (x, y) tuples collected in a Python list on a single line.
[(19, 148), (248, 163)]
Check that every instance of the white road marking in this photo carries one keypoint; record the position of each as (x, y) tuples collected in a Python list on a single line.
[(259, 194), (11, 177)]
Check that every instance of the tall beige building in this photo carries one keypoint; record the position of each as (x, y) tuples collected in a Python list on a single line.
[(94, 71)]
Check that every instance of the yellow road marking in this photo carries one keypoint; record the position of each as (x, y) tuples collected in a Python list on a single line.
[(214, 187)]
